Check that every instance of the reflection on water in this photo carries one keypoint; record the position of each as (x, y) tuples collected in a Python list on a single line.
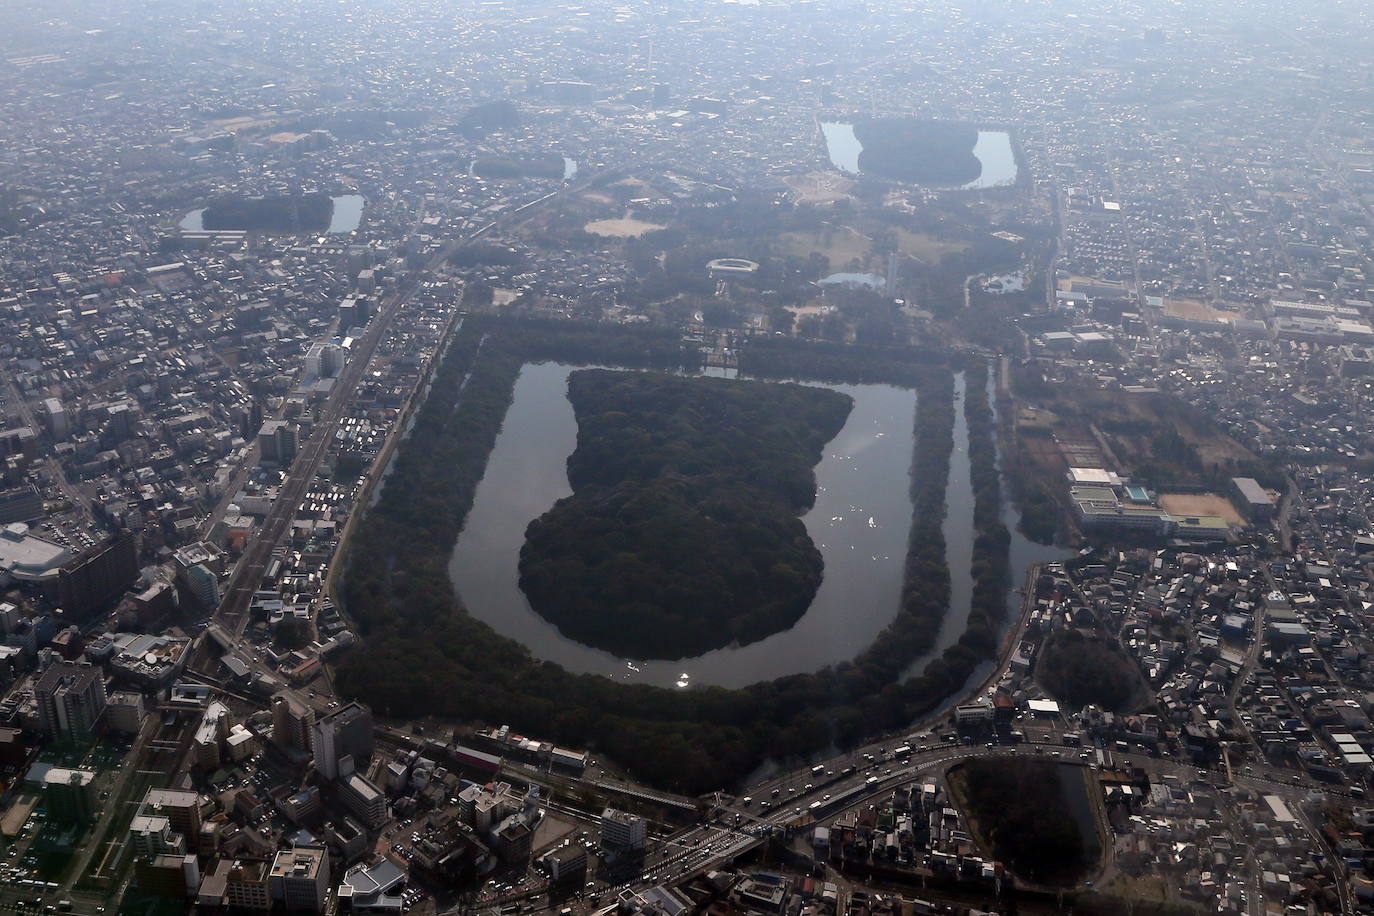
[(348, 213), (843, 146), (994, 151), (854, 281)]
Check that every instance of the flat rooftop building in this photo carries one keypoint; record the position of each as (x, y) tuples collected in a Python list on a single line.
[(299, 879), (1252, 499), (27, 558)]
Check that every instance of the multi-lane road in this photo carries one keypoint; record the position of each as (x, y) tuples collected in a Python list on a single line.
[(705, 847)]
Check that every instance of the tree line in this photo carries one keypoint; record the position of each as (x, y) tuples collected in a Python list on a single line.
[(992, 541)]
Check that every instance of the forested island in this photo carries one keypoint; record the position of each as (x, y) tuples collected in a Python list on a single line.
[(1020, 811), (397, 590), (548, 166), (682, 534), (918, 151), (297, 213)]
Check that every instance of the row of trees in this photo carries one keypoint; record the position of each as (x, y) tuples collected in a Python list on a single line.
[(423, 655), (992, 540), (682, 534)]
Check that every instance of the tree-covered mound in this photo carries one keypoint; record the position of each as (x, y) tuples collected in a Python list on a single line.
[(533, 166), (682, 534), (299, 213), (918, 151), (1081, 670), (1019, 809)]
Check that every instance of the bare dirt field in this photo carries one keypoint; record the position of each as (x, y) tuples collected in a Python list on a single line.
[(1186, 504), (1196, 310), (621, 228), (819, 187), (926, 247)]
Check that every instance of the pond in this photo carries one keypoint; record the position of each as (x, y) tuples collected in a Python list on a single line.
[(853, 280), (1006, 283), (348, 213), (860, 523)]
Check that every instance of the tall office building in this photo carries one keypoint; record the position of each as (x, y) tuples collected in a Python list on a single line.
[(322, 360), (237, 884), (363, 799), (70, 795), (622, 831), (22, 504), (203, 584), (277, 442), (181, 809), (292, 722), (342, 740), (152, 835), (70, 697), (98, 574), (57, 419)]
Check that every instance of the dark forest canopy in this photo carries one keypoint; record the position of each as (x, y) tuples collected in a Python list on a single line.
[(499, 114), (918, 151), (1081, 670), (682, 534), (298, 213), (1020, 808), (540, 166)]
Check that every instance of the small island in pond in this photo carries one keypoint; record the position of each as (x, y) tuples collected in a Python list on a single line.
[(683, 532), (291, 214), (918, 151)]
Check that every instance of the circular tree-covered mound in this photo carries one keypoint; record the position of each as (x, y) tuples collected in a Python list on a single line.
[(1081, 670), (683, 532)]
